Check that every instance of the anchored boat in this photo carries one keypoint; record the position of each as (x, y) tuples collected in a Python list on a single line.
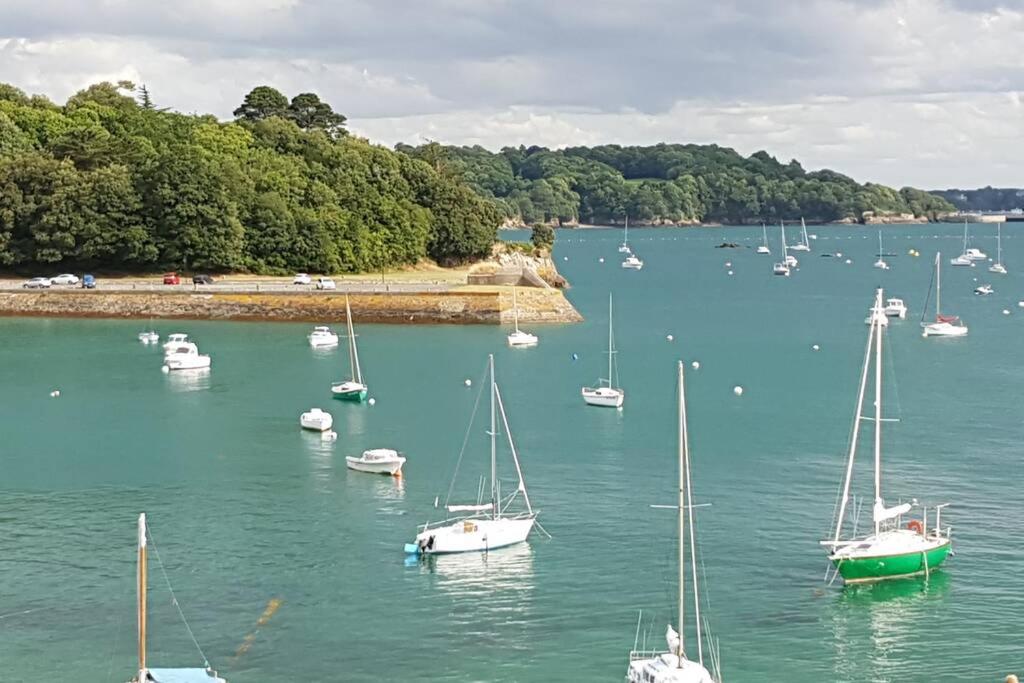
[(944, 325), (891, 549), (606, 394), (517, 338), (486, 524), (352, 389)]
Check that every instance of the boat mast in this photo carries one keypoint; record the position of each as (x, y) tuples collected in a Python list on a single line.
[(879, 245), (353, 352), (782, 225), (999, 243), (625, 238), (803, 231), (682, 516), (140, 608), (938, 284), (515, 309), (685, 465), (876, 321), (494, 444), (764, 234), (611, 382), (856, 432)]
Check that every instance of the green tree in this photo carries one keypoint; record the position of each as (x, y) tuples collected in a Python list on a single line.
[(262, 102), (543, 236), (310, 113)]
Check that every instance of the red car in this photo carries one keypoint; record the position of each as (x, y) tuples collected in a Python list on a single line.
[(171, 279)]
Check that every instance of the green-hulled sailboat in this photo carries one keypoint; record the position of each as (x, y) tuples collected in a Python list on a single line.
[(892, 549), (353, 389)]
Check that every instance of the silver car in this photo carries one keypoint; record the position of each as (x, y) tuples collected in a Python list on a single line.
[(65, 279), (38, 283)]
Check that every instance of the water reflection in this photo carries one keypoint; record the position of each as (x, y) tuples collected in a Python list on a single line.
[(197, 379), (875, 626), (475, 574)]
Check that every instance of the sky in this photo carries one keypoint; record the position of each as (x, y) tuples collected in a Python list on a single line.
[(904, 92)]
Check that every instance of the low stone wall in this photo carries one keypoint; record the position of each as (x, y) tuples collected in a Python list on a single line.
[(454, 307)]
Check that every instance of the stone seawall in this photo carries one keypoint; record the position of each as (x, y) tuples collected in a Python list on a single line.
[(458, 306)]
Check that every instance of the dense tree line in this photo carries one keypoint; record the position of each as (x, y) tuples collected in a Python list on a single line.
[(985, 198), (665, 183), (109, 180)]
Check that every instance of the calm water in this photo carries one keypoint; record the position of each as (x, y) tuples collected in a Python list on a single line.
[(245, 508)]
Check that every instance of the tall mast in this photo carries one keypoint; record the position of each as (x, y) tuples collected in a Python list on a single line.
[(353, 352), (879, 244), (938, 284), (141, 599), (494, 444), (782, 225), (611, 382), (764, 234), (876, 321), (515, 308), (682, 516), (856, 431), (625, 239), (999, 243), (965, 236), (803, 231), (689, 505)]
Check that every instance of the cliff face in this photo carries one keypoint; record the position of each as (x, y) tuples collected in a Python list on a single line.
[(492, 305)]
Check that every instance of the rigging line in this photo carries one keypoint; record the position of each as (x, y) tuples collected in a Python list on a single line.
[(894, 382), (465, 439), (174, 598)]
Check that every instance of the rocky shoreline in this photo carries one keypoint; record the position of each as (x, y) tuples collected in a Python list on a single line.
[(460, 306)]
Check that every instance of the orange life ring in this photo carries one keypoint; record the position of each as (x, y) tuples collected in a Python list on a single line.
[(916, 525)]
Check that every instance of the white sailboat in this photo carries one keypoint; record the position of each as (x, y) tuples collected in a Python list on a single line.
[(803, 244), (674, 666), (487, 525), (353, 389), (606, 394), (518, 338), (889, 550), (880, 263), (763, 248), (998, 266), (944, 325), (633, 262), (969, 254), (782, 267), (624, 247), (146, 674)]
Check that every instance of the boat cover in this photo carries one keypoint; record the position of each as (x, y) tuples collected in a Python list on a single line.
[(183, 676), (882, 513), (946, 318), (469, 508)]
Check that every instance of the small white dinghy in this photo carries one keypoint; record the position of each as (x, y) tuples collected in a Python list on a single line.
[(316, 420), (895, 308), (984, 290), (186, 357), (322, 336), (377, 461), (149, 337)]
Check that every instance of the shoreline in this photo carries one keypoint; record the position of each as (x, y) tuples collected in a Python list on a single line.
[(464, 305)]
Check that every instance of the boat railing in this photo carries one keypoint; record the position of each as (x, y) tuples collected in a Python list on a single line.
[(637, 655)]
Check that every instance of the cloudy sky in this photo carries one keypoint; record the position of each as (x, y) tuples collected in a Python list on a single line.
[(920, 92)]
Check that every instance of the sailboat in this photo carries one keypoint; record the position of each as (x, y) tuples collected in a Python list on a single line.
[(145, 673), (485, 525), (998, 266), (353, 389), (518, 338), (763, 248), (782, 268), (944, 325), (890, 550), (803, 244), (969, 255), (880, 263), (624, 247), (608, 396), (674, 666), (149, 336)]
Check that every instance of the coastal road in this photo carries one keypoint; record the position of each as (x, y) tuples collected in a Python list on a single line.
[(242, 286)]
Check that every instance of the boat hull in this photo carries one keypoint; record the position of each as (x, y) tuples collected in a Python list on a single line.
[(354, 393), (944, 330), (187, 363), (316, 422), (881, 567), (389, 468), (603, 399), (474, 535)]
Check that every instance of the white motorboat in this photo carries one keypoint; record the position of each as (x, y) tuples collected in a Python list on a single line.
[(175, 341), (975, 254), (998, 266), (633, 262), (780, 269), (763, 247), (517, 338), (606, 394), (483, 525), (961, 260), (889, 550), (624, 247), (791, 261), (377, 461), (674, 666), (322, 336), (944, 325), (803, 244), (984, 290), (186, 357), (149, 337), (895, 308), (352, 389), (316, 420), (146, 674), (880, 263)]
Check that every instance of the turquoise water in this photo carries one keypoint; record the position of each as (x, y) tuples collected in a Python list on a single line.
[(245, 508)]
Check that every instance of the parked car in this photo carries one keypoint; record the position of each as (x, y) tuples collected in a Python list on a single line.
[(65, 279), (88, 281), (171, 279), (325, 283), (37, 283), (302, 279), (202, 279)]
